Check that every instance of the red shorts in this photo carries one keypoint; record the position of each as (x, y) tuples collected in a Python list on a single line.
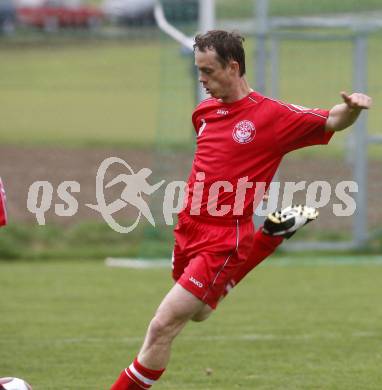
[(207, 255)]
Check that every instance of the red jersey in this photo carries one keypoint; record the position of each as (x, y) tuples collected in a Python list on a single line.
[(242, 143)]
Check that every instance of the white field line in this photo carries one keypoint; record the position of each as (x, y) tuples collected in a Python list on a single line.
[(373, 260), (137, 263), (326, 261), (205, 338)]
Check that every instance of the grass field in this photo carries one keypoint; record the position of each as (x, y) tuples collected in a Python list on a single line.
[(290, 325), (124, 94), (140, 92), (87, 240)]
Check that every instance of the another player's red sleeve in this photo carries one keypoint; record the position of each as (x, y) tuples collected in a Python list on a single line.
[(297, 127)]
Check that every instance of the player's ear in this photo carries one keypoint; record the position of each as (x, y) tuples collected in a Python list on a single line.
[(234, 67)]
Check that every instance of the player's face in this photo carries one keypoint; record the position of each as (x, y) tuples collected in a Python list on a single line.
[(217, 80)]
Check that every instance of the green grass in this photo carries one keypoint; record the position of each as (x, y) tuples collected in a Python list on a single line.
[(93, 94), (79, 94), (125, 93), (96, 240), (86, 240), (74, 325)]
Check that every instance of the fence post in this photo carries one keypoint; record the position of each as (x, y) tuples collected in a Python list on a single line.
[(206, 22), (360, 140), (261, 20), (275, 67), (261, 9)]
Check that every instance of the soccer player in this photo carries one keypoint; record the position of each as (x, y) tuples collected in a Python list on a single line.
[(242, 137)]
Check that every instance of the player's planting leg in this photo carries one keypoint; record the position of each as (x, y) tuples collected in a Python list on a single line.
[(177, 308), (277, 226)]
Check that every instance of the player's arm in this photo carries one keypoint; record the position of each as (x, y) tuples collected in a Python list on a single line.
[(345, 114)]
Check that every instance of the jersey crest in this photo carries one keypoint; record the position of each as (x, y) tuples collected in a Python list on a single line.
[(244, 132)]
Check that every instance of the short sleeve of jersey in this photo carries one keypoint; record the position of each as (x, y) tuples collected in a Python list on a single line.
[(196, 115), (296, 127), (195, 121)]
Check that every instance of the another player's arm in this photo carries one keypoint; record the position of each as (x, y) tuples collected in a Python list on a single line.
[(345, 114)]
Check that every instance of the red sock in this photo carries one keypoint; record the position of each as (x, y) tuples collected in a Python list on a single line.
[(136, 377), (263, 246)]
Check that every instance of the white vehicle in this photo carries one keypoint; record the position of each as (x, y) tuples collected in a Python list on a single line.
[(128, 9)]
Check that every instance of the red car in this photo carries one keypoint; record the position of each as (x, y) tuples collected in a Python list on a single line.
[(54, 14)]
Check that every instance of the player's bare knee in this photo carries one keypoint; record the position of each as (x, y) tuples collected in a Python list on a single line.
[(164, 329), (159, 329)]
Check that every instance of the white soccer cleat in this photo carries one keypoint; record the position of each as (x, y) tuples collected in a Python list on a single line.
[(287, 221)]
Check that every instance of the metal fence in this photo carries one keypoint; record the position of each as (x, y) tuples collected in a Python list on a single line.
[(350, 36)]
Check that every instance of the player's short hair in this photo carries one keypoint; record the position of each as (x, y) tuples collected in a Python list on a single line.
[(228, 46)]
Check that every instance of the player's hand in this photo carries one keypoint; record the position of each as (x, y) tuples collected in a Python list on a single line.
[(356, 101)]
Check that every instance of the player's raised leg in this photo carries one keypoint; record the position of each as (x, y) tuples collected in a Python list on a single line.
[(176, 309), (277, 226), (286, 222)]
